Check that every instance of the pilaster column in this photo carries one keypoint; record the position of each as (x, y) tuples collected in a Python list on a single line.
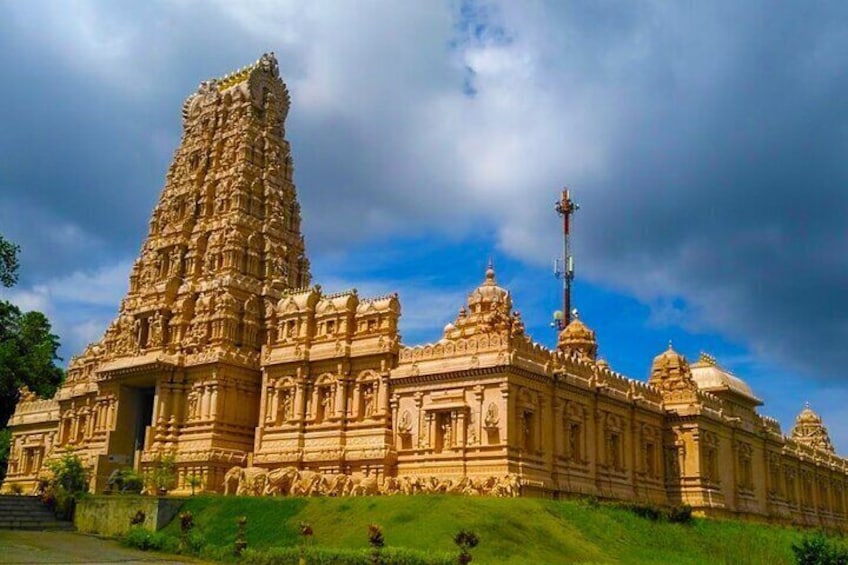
[(459, 426), (213, 402), (338, 401), (275, 405), (204, 402), (420, 432), (382, 395), (357, 403), (299, 400), (314, 404)]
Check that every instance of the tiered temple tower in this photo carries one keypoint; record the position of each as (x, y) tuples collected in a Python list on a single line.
[(178, 370)]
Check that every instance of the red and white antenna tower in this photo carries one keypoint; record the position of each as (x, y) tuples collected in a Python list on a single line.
[(564, 266)]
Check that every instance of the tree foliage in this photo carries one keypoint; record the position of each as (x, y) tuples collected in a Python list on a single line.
[(8, 262), (28, 349), (818, 549), (5, 446)]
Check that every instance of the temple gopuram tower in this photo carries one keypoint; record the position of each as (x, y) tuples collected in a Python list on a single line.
[(178, 370)]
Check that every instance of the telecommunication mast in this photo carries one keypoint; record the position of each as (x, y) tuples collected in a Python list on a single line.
[(564, 266)]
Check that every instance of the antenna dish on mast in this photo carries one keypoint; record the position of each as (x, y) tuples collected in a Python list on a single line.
[(564, 266)]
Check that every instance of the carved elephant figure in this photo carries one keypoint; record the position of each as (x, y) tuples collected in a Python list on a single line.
[(411, 485), (306, 484), (391, 485), (509, 486), (336, 485), (232, 480), (252, 481), (363, 485), (280, 481)]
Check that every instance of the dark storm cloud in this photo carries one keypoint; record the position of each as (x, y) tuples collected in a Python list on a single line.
[(705, 141), (726, 180)]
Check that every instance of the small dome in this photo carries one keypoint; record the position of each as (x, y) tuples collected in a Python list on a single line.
[(449, 327), (670, 371), (670, 359), (807, 416), (577, 338), (489, 293), (809, 430)]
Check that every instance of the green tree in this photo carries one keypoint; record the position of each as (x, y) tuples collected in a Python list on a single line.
[(28, 352), (5, 446), (28, 348), (8, 262)]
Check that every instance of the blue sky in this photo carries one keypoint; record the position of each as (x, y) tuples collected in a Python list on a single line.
[(706, 143)]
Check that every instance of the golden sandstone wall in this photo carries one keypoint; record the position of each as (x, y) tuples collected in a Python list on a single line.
[(222, 356)]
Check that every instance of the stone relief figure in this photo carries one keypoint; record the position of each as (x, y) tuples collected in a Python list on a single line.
[(368, 399), (286, 405), (192, 404), (155, 331), (405, 423), (491, 420), (326, 401), (447, 432), (175, 261)]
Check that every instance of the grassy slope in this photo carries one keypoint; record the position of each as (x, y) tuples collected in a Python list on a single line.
[(510, 530)]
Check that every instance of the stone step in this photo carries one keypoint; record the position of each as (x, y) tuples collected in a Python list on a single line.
[(28, 513), (54, 525)]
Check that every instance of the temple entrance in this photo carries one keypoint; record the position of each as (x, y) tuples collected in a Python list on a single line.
[(134, 418), (144, 415)]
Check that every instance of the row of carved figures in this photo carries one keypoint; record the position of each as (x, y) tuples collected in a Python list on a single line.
[(290, 481)]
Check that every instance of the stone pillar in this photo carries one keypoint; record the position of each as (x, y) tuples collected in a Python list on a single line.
[(275, 405), (419, 400), (204, 402), (74, 428), (477, 419), (382, 395), (267, 403), (90, 421), (461, 437), (357, 403), (299, 399), (339, 400), (213, 402), (314, 404)]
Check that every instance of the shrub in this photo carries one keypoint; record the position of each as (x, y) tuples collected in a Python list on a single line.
[(241, 536), (333, 556), (376, 541), (145, 540), (186, 525), (194, 482), (162, 475), (817, 549), (648, 511), (69, 473), (466, 540), (680, 514), (65, 483), (130, 482)]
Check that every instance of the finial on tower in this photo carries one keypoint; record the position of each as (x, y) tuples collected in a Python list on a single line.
[(490, 270)]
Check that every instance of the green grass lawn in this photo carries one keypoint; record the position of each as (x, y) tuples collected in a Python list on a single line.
[(510, 530)]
